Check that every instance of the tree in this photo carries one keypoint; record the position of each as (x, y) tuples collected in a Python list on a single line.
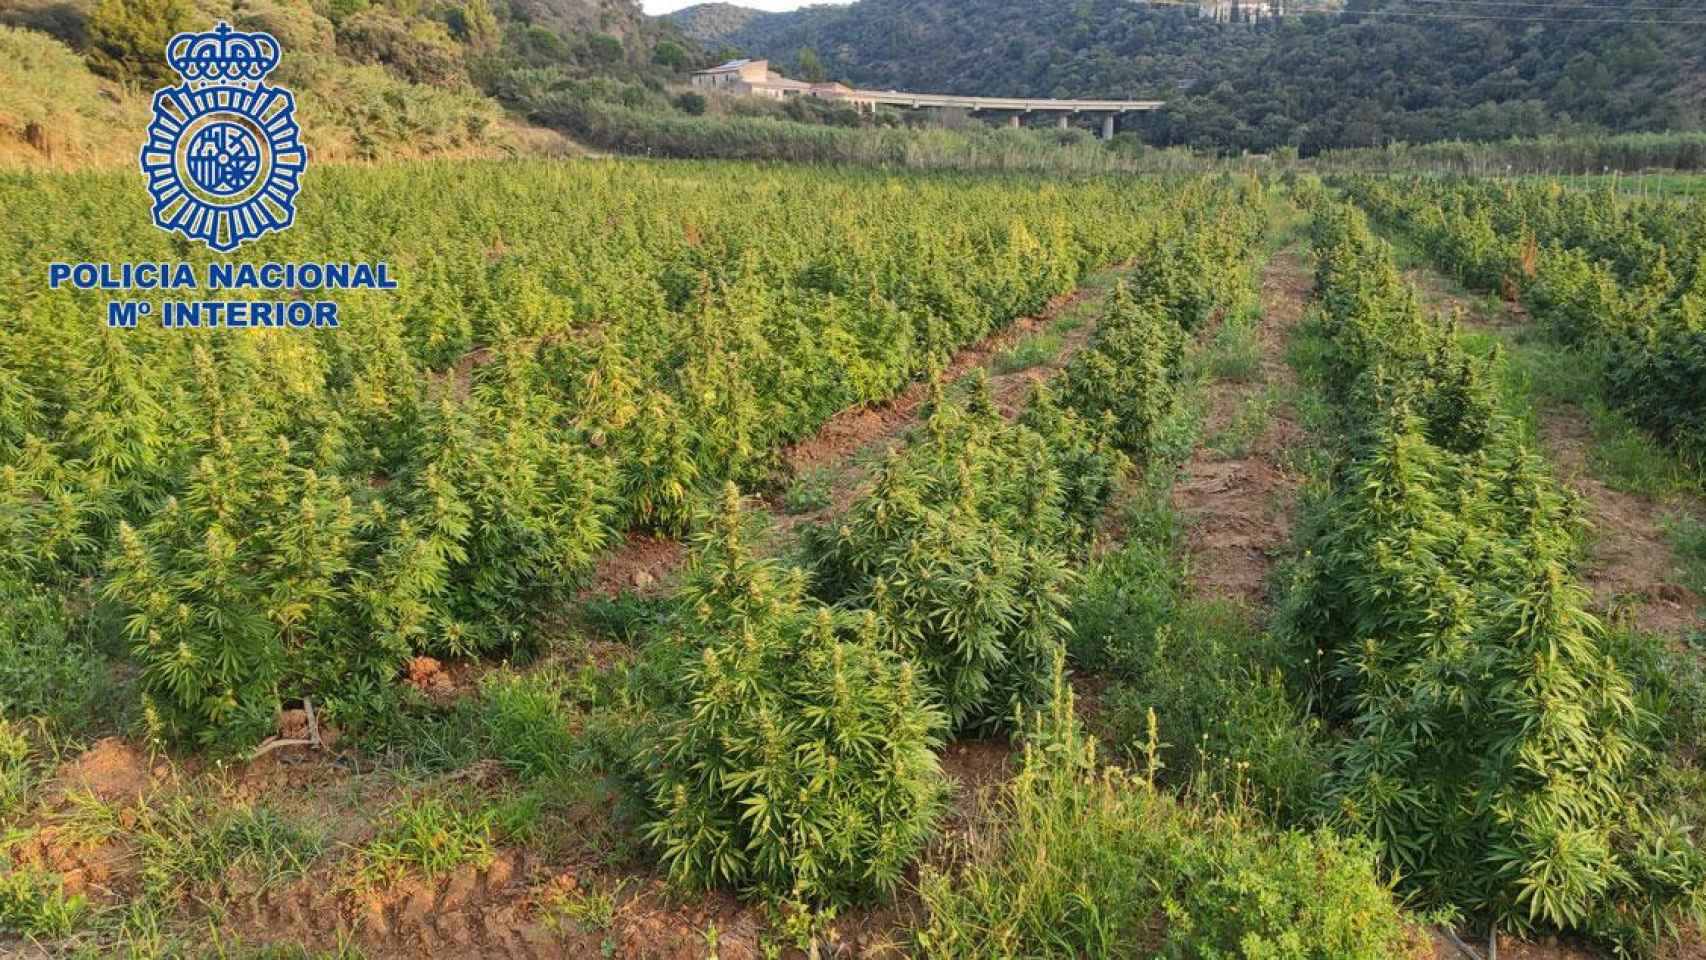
[(692, 104), (475, 25), (811, 67), (604, 48), (127, 38), (670, 54)]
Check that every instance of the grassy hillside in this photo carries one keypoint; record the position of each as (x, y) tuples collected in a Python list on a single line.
[(1398, 70), (377, 79)]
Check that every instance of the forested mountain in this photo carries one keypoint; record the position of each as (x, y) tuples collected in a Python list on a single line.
[(1381, 70), (714, 23)]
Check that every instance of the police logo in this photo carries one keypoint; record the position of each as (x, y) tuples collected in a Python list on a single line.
[(223, 159)]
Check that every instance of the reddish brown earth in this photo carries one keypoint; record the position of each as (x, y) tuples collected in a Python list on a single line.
[(638, 566), (111, 770), (1237, 509), (1631, 566), (1440, 294)]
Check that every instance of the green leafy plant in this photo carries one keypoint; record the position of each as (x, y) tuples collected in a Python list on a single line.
[(1047, 873), (1492, 738), (35, 905), (527, 725), (960, 551), (809, 492), (433, 836), (1128, 373), (796, 751)]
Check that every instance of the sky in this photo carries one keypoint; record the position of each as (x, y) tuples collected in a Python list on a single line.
[(667, 6)]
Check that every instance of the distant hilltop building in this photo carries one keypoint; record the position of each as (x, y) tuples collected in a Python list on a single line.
[(1238, 11), (755, 78)]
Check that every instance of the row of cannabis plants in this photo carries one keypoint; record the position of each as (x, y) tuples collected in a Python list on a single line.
[(1621, 280), (1492, 740), (575, 350), (782, 735), (936, 604)]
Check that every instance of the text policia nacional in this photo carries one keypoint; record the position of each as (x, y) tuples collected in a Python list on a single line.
[(275, 278)]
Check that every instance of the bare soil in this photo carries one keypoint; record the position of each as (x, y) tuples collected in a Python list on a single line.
[(111, 770), (1441, 294), (1237, 509), (1631, 566)]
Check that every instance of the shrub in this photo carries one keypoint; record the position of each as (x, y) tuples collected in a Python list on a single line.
[(604, 48), (421, 52), (297, 28), (1072, 859), (670, 54), (127, 38), (692, 104), (219, 587), (528, 507), (1659, 376), (797, 755), (56, 110), (48, 667)]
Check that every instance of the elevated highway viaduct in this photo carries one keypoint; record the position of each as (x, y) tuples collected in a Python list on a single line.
[(1015, 109)]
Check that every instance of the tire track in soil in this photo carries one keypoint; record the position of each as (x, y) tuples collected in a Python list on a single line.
[(1237, 509), (1630, 564)]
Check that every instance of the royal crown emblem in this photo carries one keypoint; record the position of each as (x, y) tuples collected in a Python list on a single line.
[(223, 159)]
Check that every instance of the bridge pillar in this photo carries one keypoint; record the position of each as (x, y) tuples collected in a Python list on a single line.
[(1108, 123), (1064, 121), (1016, 120)]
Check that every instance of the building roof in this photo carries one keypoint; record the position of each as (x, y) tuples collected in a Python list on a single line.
[(733, 66), (774, 79)]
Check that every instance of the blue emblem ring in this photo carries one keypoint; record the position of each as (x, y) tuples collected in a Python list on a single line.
[(224, 156)]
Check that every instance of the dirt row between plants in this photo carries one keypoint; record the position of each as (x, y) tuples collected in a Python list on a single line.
[(1237, 507), (858, 436), (1631, 566)]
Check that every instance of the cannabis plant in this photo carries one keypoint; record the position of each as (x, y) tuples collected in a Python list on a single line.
[(797, 754)]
